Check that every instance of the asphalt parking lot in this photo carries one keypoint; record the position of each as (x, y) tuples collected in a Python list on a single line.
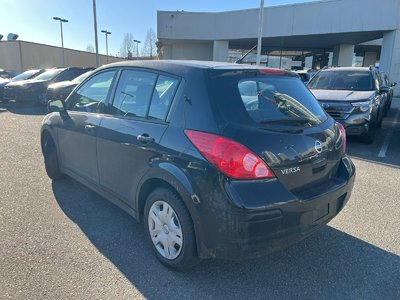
[(59, 240)]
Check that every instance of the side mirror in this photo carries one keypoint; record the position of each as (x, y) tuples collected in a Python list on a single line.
[(57, 106), (392, 84), (384, 89)]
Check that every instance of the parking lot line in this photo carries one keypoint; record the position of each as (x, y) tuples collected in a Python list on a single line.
[(386, 142)]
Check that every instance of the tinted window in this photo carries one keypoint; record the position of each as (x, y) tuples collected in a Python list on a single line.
[(133, 94), (266, 99), (342, 80), (90, 97), (162, 97)]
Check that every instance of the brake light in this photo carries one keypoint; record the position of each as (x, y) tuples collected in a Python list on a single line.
[(230, 157), (343, 135), (271, 71)]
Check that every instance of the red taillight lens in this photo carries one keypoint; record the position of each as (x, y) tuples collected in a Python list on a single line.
[(230, 157), (343, 134)]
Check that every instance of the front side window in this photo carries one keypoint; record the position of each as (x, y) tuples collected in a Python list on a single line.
[(91, 96), (133, 94)]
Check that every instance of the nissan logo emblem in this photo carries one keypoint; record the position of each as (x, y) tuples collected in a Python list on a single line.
[(318, 146), (325, 105)]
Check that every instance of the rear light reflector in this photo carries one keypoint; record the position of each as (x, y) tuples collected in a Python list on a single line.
[(229, 157), (343, 135)]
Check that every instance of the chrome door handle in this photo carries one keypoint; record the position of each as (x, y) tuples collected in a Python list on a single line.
[(90, 127), (145, 139)]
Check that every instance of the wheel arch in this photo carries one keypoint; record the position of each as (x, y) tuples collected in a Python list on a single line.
[(169, 176)]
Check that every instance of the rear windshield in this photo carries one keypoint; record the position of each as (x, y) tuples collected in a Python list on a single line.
[(266, 99), (342, 80)]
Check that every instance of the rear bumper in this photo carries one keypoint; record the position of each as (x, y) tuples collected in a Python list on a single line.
[(282, 220)]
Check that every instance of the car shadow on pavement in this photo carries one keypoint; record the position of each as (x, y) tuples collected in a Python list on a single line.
[(330, 264), (22, 109)]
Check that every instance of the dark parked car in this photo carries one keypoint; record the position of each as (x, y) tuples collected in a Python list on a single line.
[(7, 74), (61, 90), (23, 76), (391, 85), (34, 91), (352, 96), (209, 172)]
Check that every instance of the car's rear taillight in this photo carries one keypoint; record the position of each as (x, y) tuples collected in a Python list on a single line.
[(230, 157), (343, 135)]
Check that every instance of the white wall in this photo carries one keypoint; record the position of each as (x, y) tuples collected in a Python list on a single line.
[(188, 50), (21, 56)]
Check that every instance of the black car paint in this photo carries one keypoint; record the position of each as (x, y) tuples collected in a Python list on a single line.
[(35, 91), (3, 84), (232, 218)]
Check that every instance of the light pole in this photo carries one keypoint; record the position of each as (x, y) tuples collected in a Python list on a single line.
[(137, 47), (62, 37), (260, 26), (106, 33), (96, 41)]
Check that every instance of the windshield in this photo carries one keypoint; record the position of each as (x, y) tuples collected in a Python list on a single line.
[(25, 75), (267, 99), (50, 74), (82, 77), (342, 80)]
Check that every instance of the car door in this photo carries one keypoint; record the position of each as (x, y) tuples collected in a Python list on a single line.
[(128, 138), (77, 133)]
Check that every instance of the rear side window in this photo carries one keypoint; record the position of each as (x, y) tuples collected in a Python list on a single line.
[(164, 92), (266, 99), (133, 94), (343, 80)]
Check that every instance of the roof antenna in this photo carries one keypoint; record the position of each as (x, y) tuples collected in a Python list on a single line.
[(240, 60)]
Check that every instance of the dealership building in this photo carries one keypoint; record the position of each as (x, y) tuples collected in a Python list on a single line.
[(306, 35)]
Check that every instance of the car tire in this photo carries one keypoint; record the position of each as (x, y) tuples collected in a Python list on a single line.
[(169, 229), (380, 120), (51, 159), (369, 137), (387, 107)]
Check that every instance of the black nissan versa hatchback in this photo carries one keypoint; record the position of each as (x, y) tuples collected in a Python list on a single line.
[(216, 159)]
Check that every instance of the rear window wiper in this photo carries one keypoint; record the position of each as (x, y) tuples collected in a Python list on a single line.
[(300, 121)]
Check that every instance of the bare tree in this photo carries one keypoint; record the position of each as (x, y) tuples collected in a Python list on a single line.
[(127, 46), (90, 48), (149, 45)]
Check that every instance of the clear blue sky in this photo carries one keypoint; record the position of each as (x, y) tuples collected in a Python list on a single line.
[(33, 20)]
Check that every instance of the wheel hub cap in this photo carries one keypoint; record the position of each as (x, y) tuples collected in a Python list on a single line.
[(165, 230)]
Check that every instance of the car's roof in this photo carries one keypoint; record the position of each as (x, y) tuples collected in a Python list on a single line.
[(180, 67), (188, 63), (347, 69)]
